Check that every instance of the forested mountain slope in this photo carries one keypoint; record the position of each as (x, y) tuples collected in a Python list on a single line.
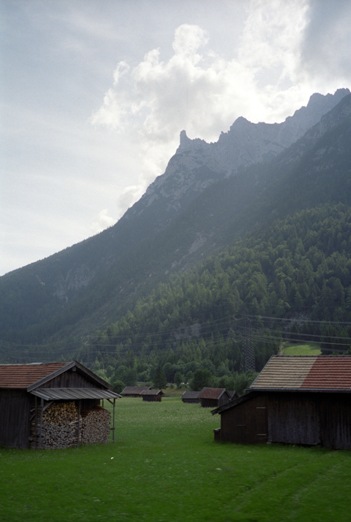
[(232, 312), (68, 296)]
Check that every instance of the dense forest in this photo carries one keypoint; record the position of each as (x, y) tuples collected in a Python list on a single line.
[(140, 283), (220, 322)]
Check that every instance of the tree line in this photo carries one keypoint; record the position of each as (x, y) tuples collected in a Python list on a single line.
[(220, 322)]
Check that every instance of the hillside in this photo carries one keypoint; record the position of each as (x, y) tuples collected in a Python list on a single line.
[(234, 311), (210, 196)]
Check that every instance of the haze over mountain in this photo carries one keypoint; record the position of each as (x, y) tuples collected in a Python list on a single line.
[(210, 195)]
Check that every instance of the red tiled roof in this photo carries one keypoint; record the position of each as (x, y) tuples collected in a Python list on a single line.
[(322, 372), (20, 376), (330, 372), (211, 393)]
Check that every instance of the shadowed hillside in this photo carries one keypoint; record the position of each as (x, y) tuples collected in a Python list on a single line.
[(67, 297)]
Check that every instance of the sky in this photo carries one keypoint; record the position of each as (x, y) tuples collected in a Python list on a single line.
[(94, 95)]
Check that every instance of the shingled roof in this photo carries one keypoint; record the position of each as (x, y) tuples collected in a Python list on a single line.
[(190, 394), (148, 392), (211, 393), (20, 376), (134, 390), (31, 376), (305, 373)]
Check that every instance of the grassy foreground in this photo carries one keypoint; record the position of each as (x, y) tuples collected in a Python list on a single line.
[(165, 466)]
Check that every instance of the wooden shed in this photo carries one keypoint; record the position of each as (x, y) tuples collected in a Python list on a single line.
[(152, 395), (53, 405), (191, 396), (133, 391), (212, 397), (294, 400)]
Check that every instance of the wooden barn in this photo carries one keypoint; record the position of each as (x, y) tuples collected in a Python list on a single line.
[(53, 405), (191, 397), (133, 391), (212, 397), (294, 400), (152, 395)]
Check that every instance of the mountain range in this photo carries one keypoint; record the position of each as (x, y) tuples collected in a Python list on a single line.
[(210, 196)]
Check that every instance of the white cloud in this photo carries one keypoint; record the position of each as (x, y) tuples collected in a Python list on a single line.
[(103, 221), (272, 38), (164, 67), (326, 45), (198, 90), (188, 40), (129, 195), (202, 91)]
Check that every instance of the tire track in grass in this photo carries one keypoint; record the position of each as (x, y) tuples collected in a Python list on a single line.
[(252, 492), (283, 493), (322, 483)]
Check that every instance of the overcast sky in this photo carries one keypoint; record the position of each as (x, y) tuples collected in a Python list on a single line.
[(94, 94)]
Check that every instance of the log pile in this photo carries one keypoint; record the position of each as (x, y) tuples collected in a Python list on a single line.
[(95, 426), (61, 426), (57, 427)]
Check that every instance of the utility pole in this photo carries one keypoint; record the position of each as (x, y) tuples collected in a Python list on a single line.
[(249, 352)]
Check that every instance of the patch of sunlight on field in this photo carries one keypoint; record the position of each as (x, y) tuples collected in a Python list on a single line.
[(301, 349)]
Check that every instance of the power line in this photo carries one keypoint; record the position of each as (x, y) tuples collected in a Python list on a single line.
[(299, 320), (226, 327)]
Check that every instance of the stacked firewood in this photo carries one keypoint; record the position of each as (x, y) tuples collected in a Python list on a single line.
[(57, 427), (61, 426), (95, 426)]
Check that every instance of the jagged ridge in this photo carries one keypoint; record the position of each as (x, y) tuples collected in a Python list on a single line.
[(205, 200)]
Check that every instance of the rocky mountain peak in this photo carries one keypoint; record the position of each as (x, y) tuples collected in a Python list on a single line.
[(247, 143), (316, 99), (203, 202), (198, 164), (184, 141)]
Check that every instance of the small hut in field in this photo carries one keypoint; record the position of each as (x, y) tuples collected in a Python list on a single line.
[(294, 400), (152, 395), (191, 397), (53, 405), (133, 391), (212, 397)]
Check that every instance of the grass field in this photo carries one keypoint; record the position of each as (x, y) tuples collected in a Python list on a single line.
[(165, 466), (301, 349)]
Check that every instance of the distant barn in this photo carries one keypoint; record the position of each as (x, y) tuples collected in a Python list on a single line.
[(53, 405), (212, 397), (152, 395), (294, 400), (191, 396), (133, 391)]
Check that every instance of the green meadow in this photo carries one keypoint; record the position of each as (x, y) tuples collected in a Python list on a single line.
[(301, 349), (166, 467)]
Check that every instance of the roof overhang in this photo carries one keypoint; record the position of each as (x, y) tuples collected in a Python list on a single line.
[(234, 402), (70, 394)]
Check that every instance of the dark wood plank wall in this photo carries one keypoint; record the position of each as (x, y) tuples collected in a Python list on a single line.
[(291, 418), (15, 406), (70, 379), (209, 403), (223, 399), (246, 423), (335, 420), (152, 398)]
